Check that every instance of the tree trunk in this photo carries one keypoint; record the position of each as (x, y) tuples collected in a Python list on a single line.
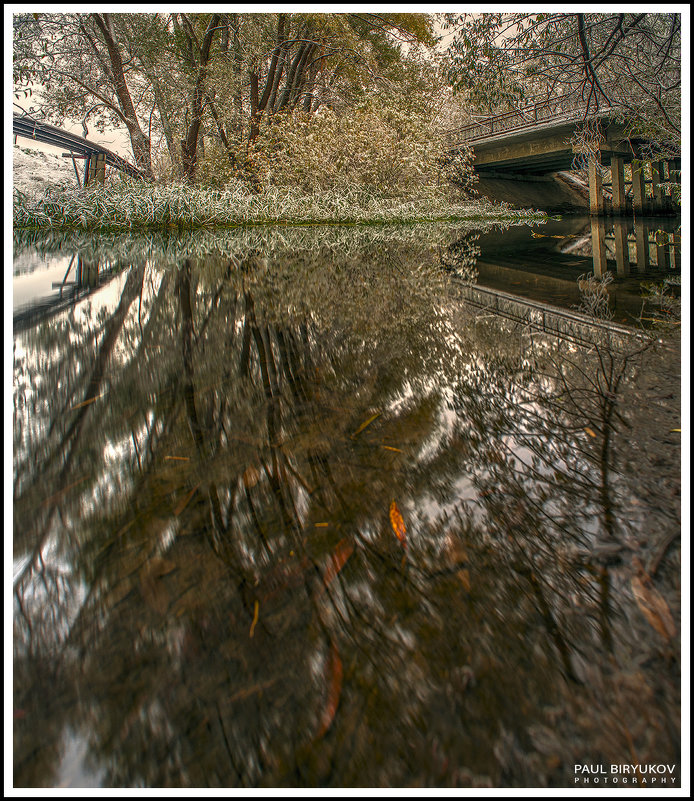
[(255, 119), (300, 77), (291, 77), (140, 142), (165, 122), (308, 99), (189, 147)]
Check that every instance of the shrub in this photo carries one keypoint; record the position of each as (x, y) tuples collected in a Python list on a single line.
[(395, 150)]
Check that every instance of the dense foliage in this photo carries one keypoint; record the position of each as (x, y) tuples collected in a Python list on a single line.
[(126, 206), (213, 82)]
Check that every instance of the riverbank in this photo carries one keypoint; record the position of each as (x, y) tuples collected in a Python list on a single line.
[(128, 206)]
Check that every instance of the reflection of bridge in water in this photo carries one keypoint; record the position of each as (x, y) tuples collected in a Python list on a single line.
[(636, 244), (82, 278), (534, 276), (543, 317)]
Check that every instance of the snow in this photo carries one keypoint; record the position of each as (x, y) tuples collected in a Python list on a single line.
[(34, 170)]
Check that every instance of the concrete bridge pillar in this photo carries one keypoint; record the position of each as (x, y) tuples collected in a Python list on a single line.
[(87, 273), (619, 203), (595, 187), (675, 260), (657, 177), (621, 247), (642, 250), (662, 245), (673, 179), (95, 169), (597, 231), (671, 170), (638, 189)]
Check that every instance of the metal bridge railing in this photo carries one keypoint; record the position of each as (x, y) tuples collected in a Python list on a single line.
[(554, 109), (573, 326), (30, 128)]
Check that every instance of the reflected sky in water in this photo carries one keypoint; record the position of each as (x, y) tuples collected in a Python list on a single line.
[(289, 512)]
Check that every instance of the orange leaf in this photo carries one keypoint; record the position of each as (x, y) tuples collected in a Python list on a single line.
[(464, 576), (256, 608), (87, 402), (333, 674), (651, 602), (251, 476), (590, 432), (366, 423), (397, 523), (341, 554)]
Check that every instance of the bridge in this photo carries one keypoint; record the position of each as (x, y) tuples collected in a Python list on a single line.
[(574, 327), (536, 140), (96, 157), (83, 277)]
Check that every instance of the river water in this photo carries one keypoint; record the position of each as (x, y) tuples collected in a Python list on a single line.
[(338, 508)]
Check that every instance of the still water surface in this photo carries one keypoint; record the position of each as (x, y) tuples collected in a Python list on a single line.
[(290, 511)]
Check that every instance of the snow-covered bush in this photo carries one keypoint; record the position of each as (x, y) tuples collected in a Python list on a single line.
[(393, 149)]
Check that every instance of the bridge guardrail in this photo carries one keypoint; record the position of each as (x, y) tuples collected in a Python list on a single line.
[(29, 128), (557, 109), (572, 326)]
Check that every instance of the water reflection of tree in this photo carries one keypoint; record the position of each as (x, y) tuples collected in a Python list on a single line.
[(214, 645), (553, 449)]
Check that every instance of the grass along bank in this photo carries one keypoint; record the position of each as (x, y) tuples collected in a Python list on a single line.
[(128, 205)]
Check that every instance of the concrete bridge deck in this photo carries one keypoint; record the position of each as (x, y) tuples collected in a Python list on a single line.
[(543, 138), (547, 148)]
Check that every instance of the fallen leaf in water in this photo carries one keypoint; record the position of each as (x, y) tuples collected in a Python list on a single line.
[(390, 448), (458, 557), (366, 423), (251, 476), (397, 523), (87, 402), (455, 550), (162, 567), (651, 602), (185, 501), (322, 525), (256, 609), (333, 674), (343, 550), (590, 432), (178, 458)]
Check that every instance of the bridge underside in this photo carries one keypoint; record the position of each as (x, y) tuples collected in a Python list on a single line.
[(546, 149), (555, 193), (97, 156), (530, 155)]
